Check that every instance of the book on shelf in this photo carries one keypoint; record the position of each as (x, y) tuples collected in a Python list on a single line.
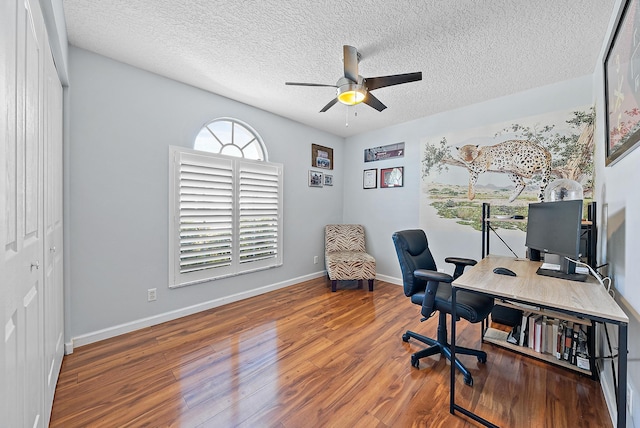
[(543, 336), (523, 328), (537, 334), (550, 337), (568, 338), (531, 338), (565, 340), (560, 340), (574, 345), (552, 334), (582, 351)]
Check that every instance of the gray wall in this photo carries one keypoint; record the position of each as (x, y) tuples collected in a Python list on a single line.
[(619, 234), (122, 121)]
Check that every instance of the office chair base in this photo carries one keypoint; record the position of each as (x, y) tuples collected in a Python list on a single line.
[(436, 347)]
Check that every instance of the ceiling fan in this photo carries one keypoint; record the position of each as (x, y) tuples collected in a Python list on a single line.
[(354, 89)]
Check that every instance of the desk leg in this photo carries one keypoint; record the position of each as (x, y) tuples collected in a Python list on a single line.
[(452, 382), (622, 375)]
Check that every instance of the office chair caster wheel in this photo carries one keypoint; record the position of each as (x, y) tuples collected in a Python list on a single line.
[(415, 362), (482, 359), (468, 380), (405, 337)]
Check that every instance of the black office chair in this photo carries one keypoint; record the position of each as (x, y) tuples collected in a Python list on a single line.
[(432, 290)]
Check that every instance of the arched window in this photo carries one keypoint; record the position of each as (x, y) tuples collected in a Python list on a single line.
[(225, 205), (230, 137)]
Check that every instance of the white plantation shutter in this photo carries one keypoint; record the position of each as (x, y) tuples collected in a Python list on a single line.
[(225, 216), (205, 215), (259, 214)]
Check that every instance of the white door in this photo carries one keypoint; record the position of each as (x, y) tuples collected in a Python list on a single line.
[(53, 268), (23, 237), (7, 127)]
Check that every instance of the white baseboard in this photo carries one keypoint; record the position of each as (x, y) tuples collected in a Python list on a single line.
[(117, 330), (609, 397), (605, 371), (390, 279)]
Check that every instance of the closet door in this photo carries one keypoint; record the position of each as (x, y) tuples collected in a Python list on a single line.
[(7, 128), (53, 268), (23, 235)]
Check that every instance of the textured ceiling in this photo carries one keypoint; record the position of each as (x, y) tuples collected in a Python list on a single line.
[(467, 50)]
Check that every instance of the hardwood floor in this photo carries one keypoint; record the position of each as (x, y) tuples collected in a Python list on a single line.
[(306, 357)]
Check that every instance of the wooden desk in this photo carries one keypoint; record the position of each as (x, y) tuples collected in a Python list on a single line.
[(584, 299)]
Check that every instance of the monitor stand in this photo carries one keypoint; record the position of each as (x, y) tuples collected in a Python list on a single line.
[(559, 274), (567, 271)]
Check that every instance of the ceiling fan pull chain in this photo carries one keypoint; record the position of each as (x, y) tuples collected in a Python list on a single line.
[(346, 118)]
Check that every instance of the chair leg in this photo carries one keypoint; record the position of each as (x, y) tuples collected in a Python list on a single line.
[(441, 346), (334, 285), (424, 339), (371, 285), (446, 351)]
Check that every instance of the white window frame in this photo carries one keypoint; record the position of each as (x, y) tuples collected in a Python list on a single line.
[(244, 188), (227, 141)]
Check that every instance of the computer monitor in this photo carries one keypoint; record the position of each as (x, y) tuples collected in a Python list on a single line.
[(555, 228)]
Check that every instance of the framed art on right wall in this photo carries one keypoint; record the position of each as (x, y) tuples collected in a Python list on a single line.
[(392, 177), (370, 178), (622, 85)]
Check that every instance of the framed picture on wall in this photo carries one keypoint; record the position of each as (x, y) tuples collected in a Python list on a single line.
[(316, 178), (392, 177), (328, 180), (384, 152), (321, 157), (622, 86), (370, 178)]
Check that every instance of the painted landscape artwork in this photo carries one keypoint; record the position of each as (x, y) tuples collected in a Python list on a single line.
[(508, 165)]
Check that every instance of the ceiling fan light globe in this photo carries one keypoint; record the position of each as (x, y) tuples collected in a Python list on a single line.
[(351, 97), (351, 94)]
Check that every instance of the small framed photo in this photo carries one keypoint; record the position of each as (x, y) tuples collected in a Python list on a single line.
[(328, 180), (316, 178), (321, 156), (392, 177), (370, 178)]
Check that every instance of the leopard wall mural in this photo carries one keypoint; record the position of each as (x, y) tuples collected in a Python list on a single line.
[(517, 158), (507, 165)]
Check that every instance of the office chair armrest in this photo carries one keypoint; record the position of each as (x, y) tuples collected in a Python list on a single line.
[(460, 263), (432, 278)]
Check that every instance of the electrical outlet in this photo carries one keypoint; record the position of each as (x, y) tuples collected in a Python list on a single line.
[(151, 294), (315, 260), (630, 399)]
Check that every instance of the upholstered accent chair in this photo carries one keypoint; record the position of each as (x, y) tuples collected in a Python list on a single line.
[(345, 255)]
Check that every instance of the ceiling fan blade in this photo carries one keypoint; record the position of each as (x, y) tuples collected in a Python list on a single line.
[(372, 83), (329, 105), (350, 63), (372, 101), (308, 84)]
